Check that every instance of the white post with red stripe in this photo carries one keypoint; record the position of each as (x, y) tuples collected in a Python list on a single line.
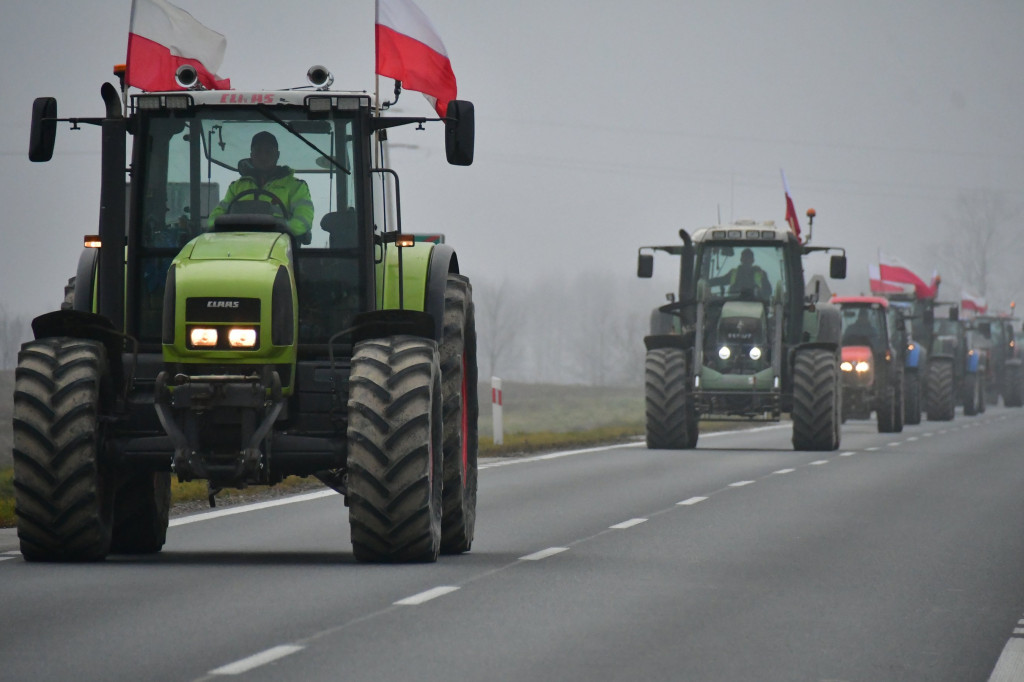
[(496, 417)]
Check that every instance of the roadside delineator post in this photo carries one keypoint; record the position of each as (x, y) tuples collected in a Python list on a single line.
[(496, 417)]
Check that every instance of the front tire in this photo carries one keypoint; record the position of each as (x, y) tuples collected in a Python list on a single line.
[(142, 506), (669, 410), (1013, 390), (461, 410), (395, 450), (971, 395), (912, 398), (63, 496), (940, 400), (816, 400)]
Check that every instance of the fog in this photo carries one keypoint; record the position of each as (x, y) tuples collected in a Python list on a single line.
[(601, 127)]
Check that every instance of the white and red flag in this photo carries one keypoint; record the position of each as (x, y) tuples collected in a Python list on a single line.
[(880, 286), (410, 50), (972, 303), (794, 223), (892, 269), (162, 37)]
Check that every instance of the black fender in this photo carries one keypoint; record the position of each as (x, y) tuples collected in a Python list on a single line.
[(443, 261), (82, 324), (680, 341), (85, 279), (377, 324)]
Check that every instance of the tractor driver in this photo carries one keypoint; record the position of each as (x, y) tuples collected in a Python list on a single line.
[(862, 331), (746, 279), (263, 180)]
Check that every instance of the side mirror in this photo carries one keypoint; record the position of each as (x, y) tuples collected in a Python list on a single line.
[(837, 267), (459, 132), (44, 129), (645, 265)]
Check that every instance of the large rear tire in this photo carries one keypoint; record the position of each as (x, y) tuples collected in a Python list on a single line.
[(63, 496), (669, 410), (1013, 390), (395, 450), (816, 400), (461, 410), (971, 395), (912, 397), (939, 398), (142, 505)]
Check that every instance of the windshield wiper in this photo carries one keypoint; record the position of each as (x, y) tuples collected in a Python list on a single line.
[(263, 109)]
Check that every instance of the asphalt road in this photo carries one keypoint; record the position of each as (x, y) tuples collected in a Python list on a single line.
[(897, 557)]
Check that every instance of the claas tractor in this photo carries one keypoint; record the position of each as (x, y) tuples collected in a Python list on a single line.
[(750, 339), (237, 351), (872, 366), (954, 339)]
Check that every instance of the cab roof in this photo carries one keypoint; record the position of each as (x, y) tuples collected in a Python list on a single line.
[(861, 300), (746, 231)]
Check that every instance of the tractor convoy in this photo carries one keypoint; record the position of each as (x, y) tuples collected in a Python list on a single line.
[(205, 338)]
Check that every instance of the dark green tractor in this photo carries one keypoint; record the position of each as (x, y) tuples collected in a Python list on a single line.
[(745, 338), (237, 352)]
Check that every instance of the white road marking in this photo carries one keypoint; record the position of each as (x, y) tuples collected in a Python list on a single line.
[(691, 501), (927, 434), (784, 471), (740, 484), (256, 660), (423, 597), (12, 552), (819, 462), (1010, 666), (7, 558), (894, 444), (243, 508), (543, 554), (848, 453), (627, 524), (912, 438), (873, 449)]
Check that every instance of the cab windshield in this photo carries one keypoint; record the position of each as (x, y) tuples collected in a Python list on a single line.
[(755, 271), (182, 180)]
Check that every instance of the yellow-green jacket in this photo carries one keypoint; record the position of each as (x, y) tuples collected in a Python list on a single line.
[(293, 193)]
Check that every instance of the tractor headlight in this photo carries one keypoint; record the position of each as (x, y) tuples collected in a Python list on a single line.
[(862, 366), (242, 337), (203, 337), (846, 366), (755, 353), (724, 352)]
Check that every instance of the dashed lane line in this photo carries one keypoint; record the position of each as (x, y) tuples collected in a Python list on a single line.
[(427, 595), (690, 501), (256, 660), (628, 524), (544, 554), (818, 462), (783, 471), (740, 484)]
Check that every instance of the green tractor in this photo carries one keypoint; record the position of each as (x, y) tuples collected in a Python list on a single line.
[(1004, 376), (745, 338), (235, 351)]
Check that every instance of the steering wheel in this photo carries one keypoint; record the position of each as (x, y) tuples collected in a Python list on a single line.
[(256, 193)]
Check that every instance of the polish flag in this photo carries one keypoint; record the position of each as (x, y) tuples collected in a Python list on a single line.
[(410, 50), (880, 286), (791, 218), (975, 304), (892, 269), (162, 37)]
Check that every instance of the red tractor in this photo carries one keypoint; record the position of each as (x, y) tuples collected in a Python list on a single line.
[(871, 367)]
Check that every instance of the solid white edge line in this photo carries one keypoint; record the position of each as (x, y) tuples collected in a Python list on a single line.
[(543, 554), (423, 597), (690, 501), (1010, 666), (627, 524), (7, 558), (256, 660), (243, 508)]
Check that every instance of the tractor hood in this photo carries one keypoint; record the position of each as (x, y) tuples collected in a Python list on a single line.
[(238, 246)]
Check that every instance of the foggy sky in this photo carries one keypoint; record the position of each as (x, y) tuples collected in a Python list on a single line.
[(601, 126)]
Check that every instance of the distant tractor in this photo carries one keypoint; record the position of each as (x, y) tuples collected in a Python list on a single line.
[(872, 363), (1004, 375), (748, 339), (954, 340), (225, 346)]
